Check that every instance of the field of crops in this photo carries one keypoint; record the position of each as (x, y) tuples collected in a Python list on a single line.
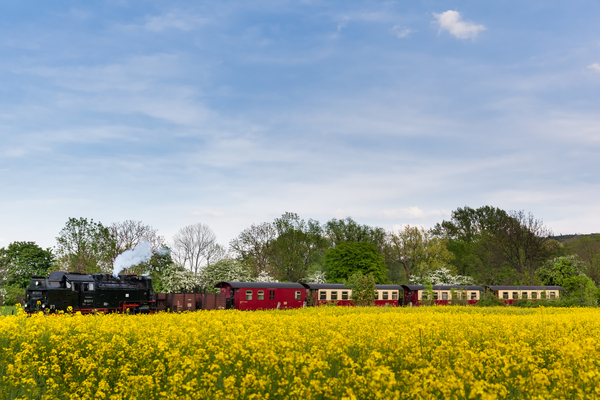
[(327, 352)]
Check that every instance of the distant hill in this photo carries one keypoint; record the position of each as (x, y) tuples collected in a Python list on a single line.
[(564, 238)]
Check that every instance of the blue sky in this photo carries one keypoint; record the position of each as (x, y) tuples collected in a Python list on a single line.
[(231, 113)]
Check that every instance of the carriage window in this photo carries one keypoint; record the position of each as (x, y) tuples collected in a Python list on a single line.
[(543, 295), (271, 295), (552, 295), (260, 295), (91, 287), (533, 295), (435, 295), (376, 295), (334, 295), (298, 295), (463, 295), (248, 294), (444, 295), (473, 295), (505, 295), (385, 295), (395, 295), (322, 295), (515, 295), (424, 295), (524, 295), (344, 295)]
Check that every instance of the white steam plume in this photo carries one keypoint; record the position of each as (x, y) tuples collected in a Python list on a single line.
[(141, 253), (163, 251)]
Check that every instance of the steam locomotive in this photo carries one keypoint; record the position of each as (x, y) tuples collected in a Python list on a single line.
[(63, 291)]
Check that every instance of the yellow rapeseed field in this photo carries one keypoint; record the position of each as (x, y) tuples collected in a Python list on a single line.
[(322, 353)]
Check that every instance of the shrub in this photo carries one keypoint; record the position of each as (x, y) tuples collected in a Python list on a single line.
[(489, 300), (12, 295)]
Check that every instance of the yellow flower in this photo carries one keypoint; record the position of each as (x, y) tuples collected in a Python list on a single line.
[(323, 352)]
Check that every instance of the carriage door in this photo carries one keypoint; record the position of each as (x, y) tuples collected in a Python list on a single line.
[(272, 298)]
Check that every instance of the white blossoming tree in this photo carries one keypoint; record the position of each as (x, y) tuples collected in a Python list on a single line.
[(442, 276), (178, 279), (316, 277), (226, 270), (264, 276)]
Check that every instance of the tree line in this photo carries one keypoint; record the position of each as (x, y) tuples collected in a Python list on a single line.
[(486, 246)]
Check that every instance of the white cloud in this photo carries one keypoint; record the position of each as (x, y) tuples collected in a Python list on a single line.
[(595, 67), (401, 32), (452, 22)]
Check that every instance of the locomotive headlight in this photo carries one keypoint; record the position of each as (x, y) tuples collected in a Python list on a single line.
[(43, 306), (37, 283)]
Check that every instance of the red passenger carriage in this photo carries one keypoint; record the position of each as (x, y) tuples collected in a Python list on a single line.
[(263, 295)]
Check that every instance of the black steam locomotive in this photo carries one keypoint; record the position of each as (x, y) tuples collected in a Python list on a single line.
[(63, 291)]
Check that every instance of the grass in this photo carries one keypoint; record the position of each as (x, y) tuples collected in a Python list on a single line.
[(7, 310)]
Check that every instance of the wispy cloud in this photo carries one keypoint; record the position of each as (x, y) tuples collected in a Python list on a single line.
[(401, 31), (412, 212), (452, 22), (177, 20), (595, 67), (342, 24), (209, 213)]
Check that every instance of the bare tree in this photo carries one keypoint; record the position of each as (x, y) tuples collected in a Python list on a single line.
[(129, 234), (253, 246), (195, 246), (215, 253)]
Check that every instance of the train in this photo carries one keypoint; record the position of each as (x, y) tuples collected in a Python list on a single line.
[(87, 293)]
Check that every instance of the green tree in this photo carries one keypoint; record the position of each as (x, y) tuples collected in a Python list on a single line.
[(497, 247), (471, 237), (22, 260), (348, 258), (363, 288), (526, 244), (85, 246), (348, 230), (417, 251), (587, 248), (555, 271), (580, 290), (298, 246)]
